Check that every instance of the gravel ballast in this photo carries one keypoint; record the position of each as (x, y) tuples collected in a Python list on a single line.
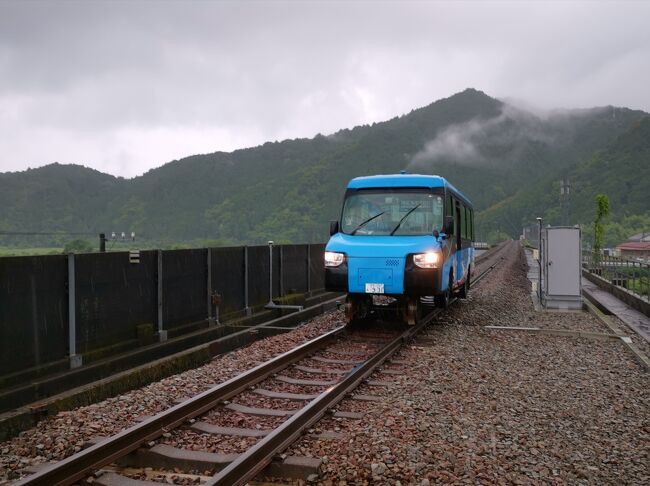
[(468, 405), (66, 432), (489, 406)]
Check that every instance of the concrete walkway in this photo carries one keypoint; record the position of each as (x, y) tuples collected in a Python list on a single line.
[(633, 318)]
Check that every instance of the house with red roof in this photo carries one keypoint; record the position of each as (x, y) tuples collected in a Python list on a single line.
[(638, 250)]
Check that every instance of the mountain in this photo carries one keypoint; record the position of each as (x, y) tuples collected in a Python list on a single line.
[(621, 171), (55, 198), (287, 191)]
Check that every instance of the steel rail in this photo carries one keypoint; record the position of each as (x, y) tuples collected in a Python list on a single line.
[(480, 276), (251, 462), (255, 459), (487, 257), (248, 464), (79, 465)]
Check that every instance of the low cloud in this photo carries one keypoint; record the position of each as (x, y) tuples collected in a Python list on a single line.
[(455, 144), (471, 143), (127, 86)]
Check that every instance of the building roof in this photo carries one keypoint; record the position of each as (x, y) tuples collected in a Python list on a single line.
[(645, 236), (635, 246)]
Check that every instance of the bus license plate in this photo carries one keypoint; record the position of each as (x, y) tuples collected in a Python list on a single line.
[(374, 288)]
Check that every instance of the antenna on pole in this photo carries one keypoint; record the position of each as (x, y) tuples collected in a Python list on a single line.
[(565, 200)]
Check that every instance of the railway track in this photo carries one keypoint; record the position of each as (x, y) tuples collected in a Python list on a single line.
[(301, 385)]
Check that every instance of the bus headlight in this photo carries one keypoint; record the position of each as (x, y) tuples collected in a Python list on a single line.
[(429, 259), (334, 258)]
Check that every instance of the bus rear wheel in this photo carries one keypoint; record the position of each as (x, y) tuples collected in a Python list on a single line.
[(464, 290)]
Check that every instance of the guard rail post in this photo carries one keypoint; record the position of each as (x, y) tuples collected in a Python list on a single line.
[(271, 304), (211, 320), (281, 270), (270, 274), (308, 269), (539, 261), (162, 334), (75, 359), (247, 308)]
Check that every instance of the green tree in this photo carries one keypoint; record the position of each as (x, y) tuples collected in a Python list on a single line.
[(602, 211), (291, 189), (78, 246)]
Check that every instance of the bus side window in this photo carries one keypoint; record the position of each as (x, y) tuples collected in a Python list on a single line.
[(463, 229), (471, 222), (449, 209)]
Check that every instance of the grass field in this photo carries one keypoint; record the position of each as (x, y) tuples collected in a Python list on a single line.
[(14, 251)]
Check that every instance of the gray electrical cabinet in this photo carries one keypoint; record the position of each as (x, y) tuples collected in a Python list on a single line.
[(561, 267)]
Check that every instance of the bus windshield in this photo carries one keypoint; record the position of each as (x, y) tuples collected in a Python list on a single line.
[(387, 212)]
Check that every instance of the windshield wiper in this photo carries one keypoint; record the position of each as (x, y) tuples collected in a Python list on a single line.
[(366, 222), (403, 218)]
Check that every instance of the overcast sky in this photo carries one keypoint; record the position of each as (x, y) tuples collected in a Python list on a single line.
[(127, 86)]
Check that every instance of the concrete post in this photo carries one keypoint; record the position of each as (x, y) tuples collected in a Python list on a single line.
[(539, 244), (308, 269), (280, 270), (162, 334), (75, 360), (209, 287), (270, 273), (37, 347), (246, 303)]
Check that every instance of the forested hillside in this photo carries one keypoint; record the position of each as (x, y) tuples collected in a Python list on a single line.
[(55, 198), (504, 158), (621, 171)]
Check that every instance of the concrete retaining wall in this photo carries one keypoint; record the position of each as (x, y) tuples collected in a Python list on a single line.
[(628, 297)]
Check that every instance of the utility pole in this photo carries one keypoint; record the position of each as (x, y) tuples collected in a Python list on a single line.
[(114, 238), (565, 200), (539, 260)]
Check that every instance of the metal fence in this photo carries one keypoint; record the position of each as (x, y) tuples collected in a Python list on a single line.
[(114, 296), (632, 275)]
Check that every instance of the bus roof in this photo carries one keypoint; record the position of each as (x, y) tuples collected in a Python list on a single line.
[(403, 180)]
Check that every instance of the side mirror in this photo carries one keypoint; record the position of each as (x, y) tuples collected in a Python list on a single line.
[(334, 227), (449, 225)]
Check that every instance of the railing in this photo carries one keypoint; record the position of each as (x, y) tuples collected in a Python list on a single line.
[(64, 306), (632, 275)]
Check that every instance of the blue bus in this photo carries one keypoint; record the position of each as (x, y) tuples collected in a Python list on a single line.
[(405, 236)]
